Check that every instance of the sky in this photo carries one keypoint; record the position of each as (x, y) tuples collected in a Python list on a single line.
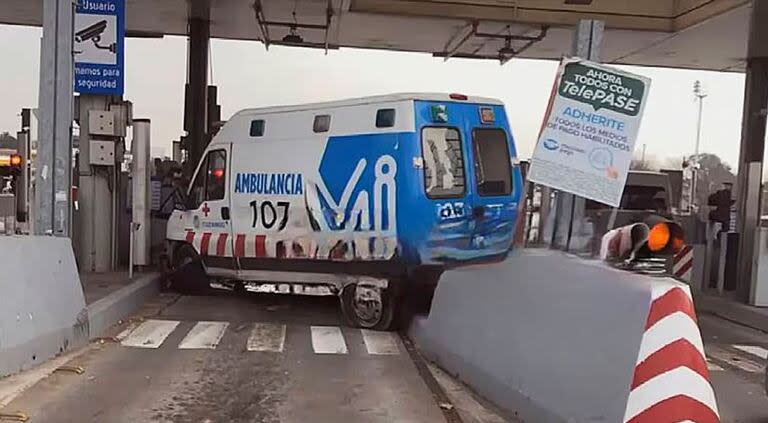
[(249, 76)]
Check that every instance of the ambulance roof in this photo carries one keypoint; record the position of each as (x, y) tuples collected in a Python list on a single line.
[(389, 98)]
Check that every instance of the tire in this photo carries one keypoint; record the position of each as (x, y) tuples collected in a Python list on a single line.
[(188, 275), (381, 318)]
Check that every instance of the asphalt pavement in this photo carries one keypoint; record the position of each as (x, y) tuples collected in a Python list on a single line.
[(248, 358), (736, 358), (224, 357)]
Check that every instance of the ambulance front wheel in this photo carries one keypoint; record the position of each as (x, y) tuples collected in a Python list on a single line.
[(369, 307), (188, 275)]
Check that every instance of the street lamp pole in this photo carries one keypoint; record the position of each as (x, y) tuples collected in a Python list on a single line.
[(698, 91)]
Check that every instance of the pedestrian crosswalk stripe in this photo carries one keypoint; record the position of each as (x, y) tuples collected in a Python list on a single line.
[(754, 350), (380, 343), (266, 337), (150, 334), (263, 337), (204, 336), (127, 331), (328, 340)]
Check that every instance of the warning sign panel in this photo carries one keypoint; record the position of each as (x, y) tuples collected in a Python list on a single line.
[(589, 131)]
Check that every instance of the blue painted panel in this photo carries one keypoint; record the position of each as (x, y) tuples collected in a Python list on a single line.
[(376, 186)]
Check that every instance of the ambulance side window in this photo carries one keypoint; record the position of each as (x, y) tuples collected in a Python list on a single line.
[(257, 128), (197, 191), (211, 180), (443, 162), (385, 118), (216, 184), (322, 123)]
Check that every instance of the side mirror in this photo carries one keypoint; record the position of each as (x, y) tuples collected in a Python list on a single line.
[(179, 206)]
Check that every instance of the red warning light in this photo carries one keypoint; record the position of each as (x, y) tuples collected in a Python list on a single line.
[(461, 97), (218, 173), (15, 160)]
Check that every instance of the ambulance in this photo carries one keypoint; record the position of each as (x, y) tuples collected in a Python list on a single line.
[(363, 199)]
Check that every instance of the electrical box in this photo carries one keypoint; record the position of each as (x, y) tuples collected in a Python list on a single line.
[(101, 122), (103, 153)]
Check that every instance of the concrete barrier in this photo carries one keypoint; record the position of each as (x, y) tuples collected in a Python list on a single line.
[(107, 311), (554, 338), (42, 309)]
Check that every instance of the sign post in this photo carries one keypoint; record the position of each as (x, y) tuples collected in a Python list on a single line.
[(590, 129), (99, 44)]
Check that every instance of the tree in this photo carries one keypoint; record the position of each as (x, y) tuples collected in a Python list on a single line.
[(643, 163), (8, 141), (636, 164)]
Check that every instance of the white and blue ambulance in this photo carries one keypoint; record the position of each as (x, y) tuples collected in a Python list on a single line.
[(357, 198)]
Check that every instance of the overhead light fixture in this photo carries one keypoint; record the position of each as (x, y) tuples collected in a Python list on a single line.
[(293, 37), (579, 2)]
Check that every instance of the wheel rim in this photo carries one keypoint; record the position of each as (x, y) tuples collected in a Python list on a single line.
[(368, 305)]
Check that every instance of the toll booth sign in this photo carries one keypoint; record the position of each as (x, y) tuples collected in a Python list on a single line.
[(98, 46), (589, 131)]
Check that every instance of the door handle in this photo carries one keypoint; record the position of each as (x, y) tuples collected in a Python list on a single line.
[(225, 213), (478, 212)]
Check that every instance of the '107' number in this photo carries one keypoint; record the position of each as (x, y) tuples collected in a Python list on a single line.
[(269, 215)]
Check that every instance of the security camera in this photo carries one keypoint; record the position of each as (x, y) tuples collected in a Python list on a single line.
[(93, 32)]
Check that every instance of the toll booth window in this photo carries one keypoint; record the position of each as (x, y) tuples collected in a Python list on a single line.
[(215, 186), (257, 128), (443, 162), (385, 118), (493, 169), (197, 190), (322, 123)]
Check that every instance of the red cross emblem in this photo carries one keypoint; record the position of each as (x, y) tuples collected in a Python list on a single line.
[(205, 209)]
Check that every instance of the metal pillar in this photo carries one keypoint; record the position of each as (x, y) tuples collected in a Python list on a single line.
[(54, 154), (751, 153), (587, 39), (140, 186), (195, 115), (96, 189)]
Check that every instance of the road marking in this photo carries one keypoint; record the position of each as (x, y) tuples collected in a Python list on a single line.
[(734, 360), (754, 350), (267, 337), (127, 331), (150, 334), (712, 367), (328, 340), (204, 336), (380, 343)]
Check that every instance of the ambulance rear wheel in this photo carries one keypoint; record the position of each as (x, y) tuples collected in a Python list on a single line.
[(369, 307), (188, 275)]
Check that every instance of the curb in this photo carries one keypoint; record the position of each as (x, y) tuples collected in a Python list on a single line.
[(104, 313), (736, 313)]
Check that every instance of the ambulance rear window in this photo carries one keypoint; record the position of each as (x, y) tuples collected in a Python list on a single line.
[(493, 170), (257, 128), (443, 162)]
